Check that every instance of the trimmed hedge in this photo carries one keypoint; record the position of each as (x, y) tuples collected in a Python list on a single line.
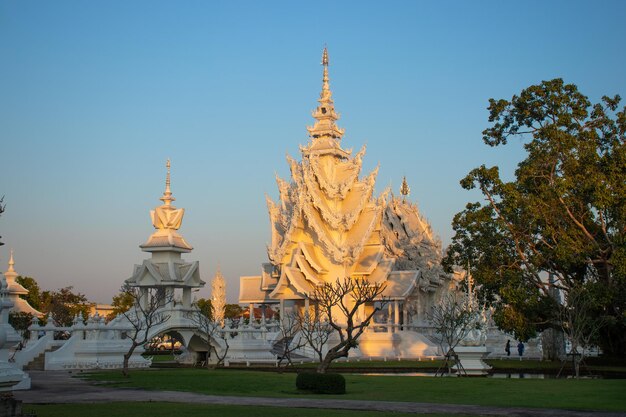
[(321, 383)]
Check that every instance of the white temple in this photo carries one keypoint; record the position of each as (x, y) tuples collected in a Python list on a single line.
[(329, 225)]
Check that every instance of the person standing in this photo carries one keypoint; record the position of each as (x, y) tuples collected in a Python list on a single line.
[(520, 349), (507, 348)]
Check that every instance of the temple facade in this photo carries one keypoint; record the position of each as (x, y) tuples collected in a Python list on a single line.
[(328, 225)]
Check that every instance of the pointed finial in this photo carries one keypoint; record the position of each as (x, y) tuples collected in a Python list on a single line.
[(325, 57), (326, 94), (405, 190), (11, 263), (167, 194), (167, 178)]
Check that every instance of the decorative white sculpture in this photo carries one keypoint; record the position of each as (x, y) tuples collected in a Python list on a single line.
[(472, 349), (218, 297), (166, 269)]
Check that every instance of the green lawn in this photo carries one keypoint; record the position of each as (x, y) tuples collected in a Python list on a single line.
[(406, 364), (153, 409), (589, 394), (162, 357), (593, 365)]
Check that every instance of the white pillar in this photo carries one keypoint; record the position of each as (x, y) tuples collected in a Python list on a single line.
[(306, 306), (169, 297), (361, 315), (389, 312), (396, 314), (251, 307), (405, 316), (143, 298), (282, 309), (186, 297)]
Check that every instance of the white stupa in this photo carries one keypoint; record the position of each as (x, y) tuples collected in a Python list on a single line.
[(14, 290)]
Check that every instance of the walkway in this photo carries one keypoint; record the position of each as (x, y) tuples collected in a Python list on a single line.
[(58, 387)]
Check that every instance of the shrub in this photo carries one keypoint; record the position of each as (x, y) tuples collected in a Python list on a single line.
[(321, 383), (305, 380)]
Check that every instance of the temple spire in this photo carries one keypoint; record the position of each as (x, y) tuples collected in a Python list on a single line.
[(11, 263), (325, 86), (166, 219), (405, 190), (167, 194), (325, 114)]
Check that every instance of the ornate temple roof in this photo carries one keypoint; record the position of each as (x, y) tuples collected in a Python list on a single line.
[(176, 274), (250, 291), (327, 223)]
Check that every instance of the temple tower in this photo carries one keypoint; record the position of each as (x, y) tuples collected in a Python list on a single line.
[(166, 270)]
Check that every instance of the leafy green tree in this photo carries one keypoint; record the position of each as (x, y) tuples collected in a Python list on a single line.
[(34, 292), (20, 321), (206, 308), (563, 214), (122, 302), (64, 305), (232, 311)]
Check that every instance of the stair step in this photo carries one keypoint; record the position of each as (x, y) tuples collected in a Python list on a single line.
[(39, 362)]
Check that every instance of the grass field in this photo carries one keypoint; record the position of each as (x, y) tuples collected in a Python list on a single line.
[(587, 394), (594, 365), (195, 410)]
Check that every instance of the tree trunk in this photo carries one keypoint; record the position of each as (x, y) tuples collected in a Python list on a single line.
[(125, 365), (323, 366), (127, 356), (553, 344)]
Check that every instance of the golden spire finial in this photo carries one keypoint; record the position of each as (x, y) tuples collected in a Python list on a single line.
[(405, 190), (167, 194), (325, 86), (11, 263)]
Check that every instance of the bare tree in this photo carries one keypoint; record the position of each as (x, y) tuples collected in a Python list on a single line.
[(315, 331), (347, 296), (213, 334), (453, 319), (289, 340), (580, 326), (145, 313)]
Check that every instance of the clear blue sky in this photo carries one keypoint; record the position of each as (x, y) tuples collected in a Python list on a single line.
[(94, 96)]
